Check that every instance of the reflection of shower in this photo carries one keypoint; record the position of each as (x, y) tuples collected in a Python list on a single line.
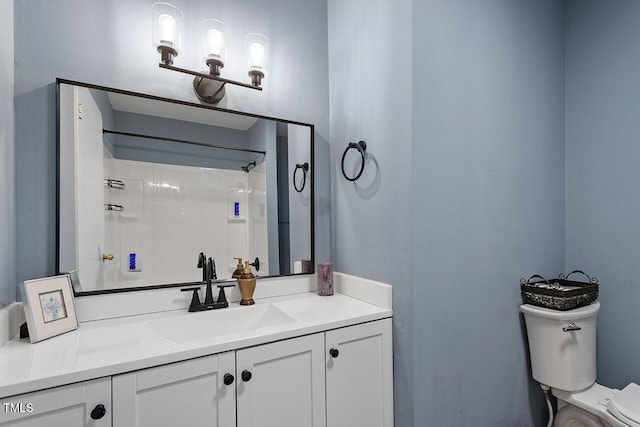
[(248, 167)]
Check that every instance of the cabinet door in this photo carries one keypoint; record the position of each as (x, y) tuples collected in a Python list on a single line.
[(69, 406), (360, 375), (190, 393), (286, 384)]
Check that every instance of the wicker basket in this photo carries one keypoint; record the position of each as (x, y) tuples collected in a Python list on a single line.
[(559, 294)]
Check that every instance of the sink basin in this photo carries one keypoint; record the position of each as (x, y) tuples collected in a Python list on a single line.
[(215, 323)]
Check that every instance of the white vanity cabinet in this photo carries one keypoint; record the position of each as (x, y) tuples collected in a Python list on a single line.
[(282, 384), (278, 384), (292, 360), (77, 405), (195, 393), (338, 378), (360, 375)]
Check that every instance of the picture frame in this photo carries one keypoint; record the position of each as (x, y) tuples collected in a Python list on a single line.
[(48, 306)]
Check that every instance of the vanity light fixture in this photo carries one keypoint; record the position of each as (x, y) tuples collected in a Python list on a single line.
[(208, 86)]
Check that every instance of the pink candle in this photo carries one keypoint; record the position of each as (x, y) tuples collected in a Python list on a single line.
[(325, 279), (306, 266)]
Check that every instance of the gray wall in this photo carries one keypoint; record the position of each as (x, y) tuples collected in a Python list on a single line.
[(370, 94), (463, 192), (7, 162), (603, 149), (488, 179), (108, 43)]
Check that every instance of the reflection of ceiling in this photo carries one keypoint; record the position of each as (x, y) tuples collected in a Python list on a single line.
[(168, 110)]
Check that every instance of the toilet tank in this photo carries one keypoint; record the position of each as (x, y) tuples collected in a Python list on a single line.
[(562, 359)]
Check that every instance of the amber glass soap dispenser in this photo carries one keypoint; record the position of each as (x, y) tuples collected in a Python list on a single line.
[(247, 284)]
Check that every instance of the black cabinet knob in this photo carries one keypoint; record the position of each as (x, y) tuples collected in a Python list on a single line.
[(334, 352), (98, 412), (228, 379), (246, 376)]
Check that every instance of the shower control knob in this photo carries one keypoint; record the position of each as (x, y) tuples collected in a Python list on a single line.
[(98, 412), (246, 376), (228, 379), (334, 352)]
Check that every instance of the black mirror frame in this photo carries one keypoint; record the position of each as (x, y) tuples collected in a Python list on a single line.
[(60, 81)]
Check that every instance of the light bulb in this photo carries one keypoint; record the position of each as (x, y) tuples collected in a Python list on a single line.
[(256, 55), (256, 47), (167, 28), (215, 41)]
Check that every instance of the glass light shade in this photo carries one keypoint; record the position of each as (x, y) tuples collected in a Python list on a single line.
[(213, 37), (256, 47), (167, 23)]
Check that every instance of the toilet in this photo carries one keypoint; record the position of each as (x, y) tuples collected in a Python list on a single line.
[(562, 345)]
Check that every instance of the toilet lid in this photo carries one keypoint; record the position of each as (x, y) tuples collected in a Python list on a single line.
[(625, 405)]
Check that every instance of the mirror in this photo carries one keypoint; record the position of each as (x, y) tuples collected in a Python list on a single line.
[(146, 183)]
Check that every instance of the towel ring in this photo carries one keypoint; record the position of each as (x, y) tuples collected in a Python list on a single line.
[(361, 146), (305, 168)]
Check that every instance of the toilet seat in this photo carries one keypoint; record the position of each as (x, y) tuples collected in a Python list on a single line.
[(625, 405), (627, 422)]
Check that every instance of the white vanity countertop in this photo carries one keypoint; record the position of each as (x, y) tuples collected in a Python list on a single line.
[(109, 347)]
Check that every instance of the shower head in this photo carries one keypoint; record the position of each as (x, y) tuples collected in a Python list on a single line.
[(248, 167)]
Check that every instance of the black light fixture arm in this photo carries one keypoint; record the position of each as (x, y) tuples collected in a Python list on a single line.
[(208, 86), (208, 76)]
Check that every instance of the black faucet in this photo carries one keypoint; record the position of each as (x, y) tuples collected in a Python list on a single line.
[(208, 274)]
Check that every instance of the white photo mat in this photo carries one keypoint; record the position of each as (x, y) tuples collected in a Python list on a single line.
[(48, 307)]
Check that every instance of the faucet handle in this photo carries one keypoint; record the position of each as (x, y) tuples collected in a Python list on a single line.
[(228, 284), (222, 297), (195, 305)]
